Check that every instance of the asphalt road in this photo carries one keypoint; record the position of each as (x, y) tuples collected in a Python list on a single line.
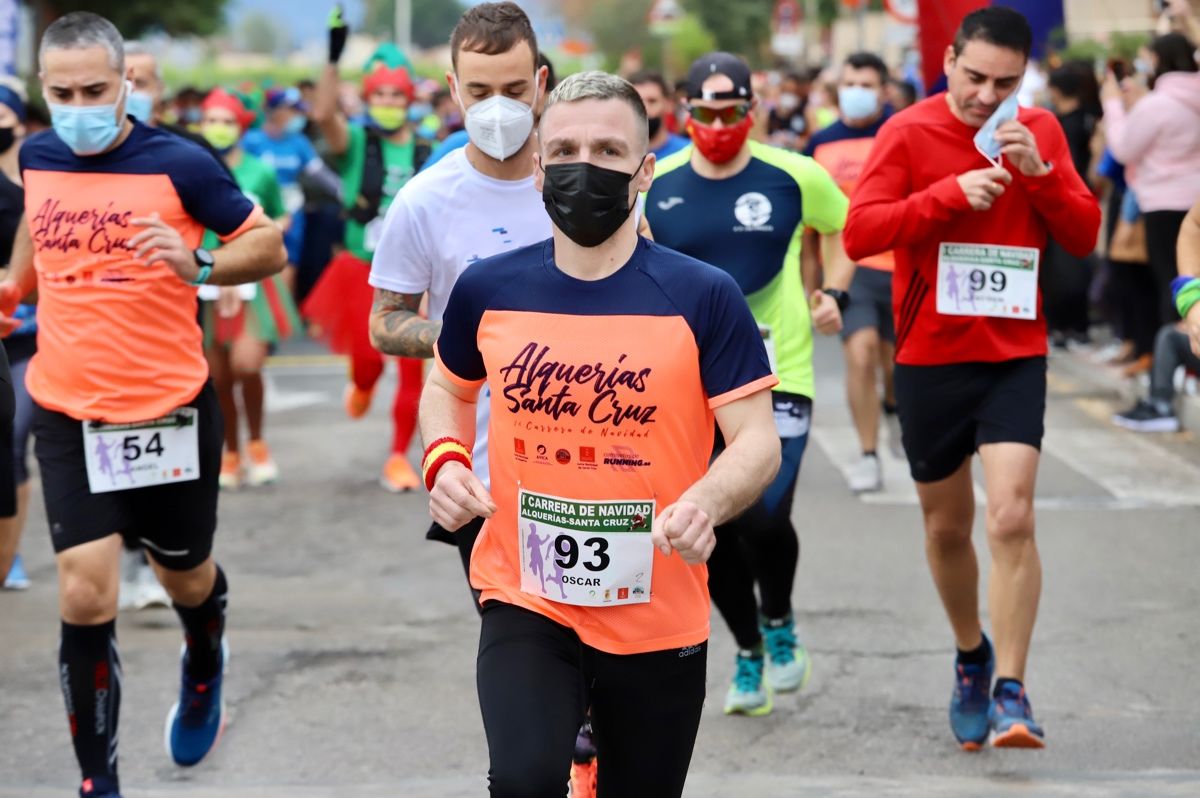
[(352, 667)]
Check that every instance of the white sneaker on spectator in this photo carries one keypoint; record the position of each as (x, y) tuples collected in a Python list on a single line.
[(127, 594), (150, 593), (895, 436), (865, 476)]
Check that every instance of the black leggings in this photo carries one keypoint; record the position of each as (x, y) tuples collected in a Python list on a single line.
[(1162, 232), (760, 546), (8, 471), (535, 681)]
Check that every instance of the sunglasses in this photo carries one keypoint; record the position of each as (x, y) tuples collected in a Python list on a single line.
[(728, 116)]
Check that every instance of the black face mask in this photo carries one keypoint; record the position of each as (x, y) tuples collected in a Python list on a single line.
[(587, 202), (7, 137), (655, 125)]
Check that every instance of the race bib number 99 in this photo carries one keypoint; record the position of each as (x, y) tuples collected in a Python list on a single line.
[(987, 280), (142, 454), (586, 553)]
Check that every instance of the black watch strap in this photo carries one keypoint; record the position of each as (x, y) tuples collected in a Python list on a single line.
[(841, 297)]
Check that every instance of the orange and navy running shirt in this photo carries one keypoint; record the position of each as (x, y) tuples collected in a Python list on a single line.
[(843, 151), (118, 341), (601, 390)]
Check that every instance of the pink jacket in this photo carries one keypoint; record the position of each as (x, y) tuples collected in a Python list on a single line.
[(1159, 140)]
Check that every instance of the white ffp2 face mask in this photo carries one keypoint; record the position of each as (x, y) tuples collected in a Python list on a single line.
[(499, 126)]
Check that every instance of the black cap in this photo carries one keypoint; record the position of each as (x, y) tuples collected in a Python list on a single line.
[(726, 64)]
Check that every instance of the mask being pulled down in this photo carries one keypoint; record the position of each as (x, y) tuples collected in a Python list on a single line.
[(587, 202)]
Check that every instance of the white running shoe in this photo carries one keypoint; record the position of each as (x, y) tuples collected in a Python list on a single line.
[(895, 437), (865, 476), (149, 592), (127, 594)]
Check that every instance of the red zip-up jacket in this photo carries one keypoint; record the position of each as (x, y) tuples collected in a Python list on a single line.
[(908, 200)]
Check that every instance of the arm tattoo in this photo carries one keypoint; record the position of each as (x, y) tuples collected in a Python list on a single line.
[(398, 329)]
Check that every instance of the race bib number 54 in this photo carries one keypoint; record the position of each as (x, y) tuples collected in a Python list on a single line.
[(587, 553), (987, 280), (142, 454)]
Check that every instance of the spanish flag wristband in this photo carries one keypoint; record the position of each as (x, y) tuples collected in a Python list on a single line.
[(1187, 293), (440, 452)]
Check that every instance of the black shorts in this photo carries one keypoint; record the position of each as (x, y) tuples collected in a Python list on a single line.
[(536, 681), (175, 522), (870, 304), (948, 412)]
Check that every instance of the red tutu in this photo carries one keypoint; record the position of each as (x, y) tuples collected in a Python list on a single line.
[(339, 306)]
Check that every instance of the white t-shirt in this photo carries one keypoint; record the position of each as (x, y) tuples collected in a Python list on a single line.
[(442, 221)]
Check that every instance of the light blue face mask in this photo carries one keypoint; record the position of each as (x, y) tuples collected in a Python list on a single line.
[(140, 106), (296, 124), (858, 102), (87, 129), (985, 139)]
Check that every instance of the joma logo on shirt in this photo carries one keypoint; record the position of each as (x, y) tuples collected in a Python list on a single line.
[(535, 383)]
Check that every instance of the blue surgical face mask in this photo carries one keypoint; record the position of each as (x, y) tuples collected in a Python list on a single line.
[(140, 106), (858, 102), (296, 124), (985, 139), (88, 129)]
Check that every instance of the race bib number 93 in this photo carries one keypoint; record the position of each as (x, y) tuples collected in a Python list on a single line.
[(586, 553)]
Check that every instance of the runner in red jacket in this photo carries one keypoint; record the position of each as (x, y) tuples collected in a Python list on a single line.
[(965, 188)]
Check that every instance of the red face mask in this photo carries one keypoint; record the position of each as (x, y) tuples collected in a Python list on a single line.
[(720, 145)]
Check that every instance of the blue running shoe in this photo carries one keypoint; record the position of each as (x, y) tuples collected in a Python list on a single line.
[(98, 788), (750, 693), (17, 579), (971, 702), (196, 721), (1012, 720), (788, 663)]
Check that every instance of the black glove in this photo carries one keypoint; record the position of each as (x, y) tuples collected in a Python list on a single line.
[(338, 31)]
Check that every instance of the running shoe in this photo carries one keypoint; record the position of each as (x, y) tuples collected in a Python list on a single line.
[(583, 779), (17, 579), (127, 592), (398, 475), (895, 436), (357, 401), (970, 703), (1011, 719), (1146, 417), (262, 469), (230, 477), (788, 663), (195, 722), (1138, 366), (98, 788), (865, 476), (749, 694), (149, 592)]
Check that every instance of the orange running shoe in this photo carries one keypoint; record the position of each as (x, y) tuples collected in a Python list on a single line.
[(262, 469), (230, 477), (357, 401), (583, 779), (398, 475)]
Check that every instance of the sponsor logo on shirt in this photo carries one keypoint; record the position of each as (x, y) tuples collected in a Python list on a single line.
[(669, 203), (623, 458), (519, 450), (562, 456), (753, 211)]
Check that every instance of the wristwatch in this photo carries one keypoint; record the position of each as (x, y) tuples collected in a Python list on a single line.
[(841, 297), (204, 260)]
